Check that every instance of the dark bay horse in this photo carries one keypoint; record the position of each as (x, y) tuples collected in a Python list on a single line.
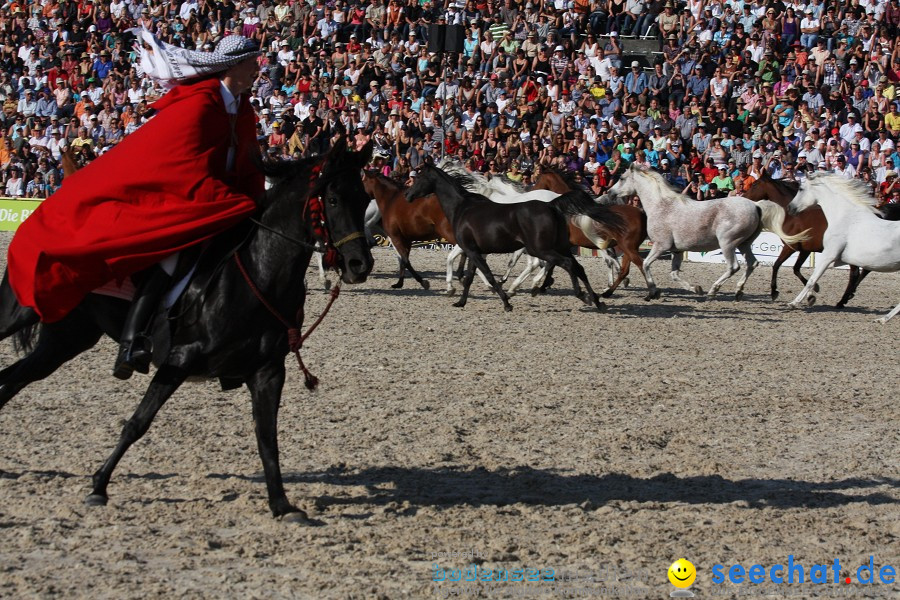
[(238, 318), (629, 240), (484, 227), (782, 192), (406, 222)]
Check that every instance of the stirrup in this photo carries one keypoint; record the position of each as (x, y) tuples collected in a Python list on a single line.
[(133, 356)]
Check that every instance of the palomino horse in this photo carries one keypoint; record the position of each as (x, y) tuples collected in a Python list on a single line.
[(408, 222), (813, 219), (484, 227), (856, 235), (235, 321), (677, 223), (634, 234)]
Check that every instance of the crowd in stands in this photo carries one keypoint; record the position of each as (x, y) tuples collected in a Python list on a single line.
[(735, 89)]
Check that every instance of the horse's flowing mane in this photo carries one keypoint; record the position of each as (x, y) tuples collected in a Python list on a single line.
[(461, 181), (516, 185), (789, 188), (567, 177), (663, 187), (392, 183), (854, 191)]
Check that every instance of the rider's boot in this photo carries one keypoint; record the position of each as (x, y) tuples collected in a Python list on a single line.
[(135, 346)]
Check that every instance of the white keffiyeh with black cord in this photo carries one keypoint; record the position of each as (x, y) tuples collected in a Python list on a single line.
[(172, 65)]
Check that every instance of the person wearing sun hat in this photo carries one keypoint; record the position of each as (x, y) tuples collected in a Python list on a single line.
[(185, 175)]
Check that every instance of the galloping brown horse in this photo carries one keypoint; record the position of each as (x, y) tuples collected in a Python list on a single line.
[(635, 229), (407, 222), (782, 192)]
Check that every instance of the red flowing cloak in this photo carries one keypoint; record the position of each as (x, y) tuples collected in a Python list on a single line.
[(160, 190)]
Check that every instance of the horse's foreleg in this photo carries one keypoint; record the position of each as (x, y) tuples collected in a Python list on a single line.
[(747, 250), (466, 283), (786, 252), (456, 251), (13, 316), (164, 383), (890, 315), (530, 266), (576, 271), (479, 263), (652, 291), (512, 263), (677, 259), (612, 265), (822, 263), (323, 277), (856, 276), (801, 258), (265, 390)]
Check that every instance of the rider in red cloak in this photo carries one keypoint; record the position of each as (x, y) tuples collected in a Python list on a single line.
[(181, 178)]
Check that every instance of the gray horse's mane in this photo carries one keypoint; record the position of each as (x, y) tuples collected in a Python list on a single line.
[(664, 188), (458, 171), (855, 191)]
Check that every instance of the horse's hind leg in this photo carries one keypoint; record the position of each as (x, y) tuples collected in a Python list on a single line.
[(164, 383), (731, 267), (456, 251), (466, 283), (889, 316), (57, 344), (512, 263), (856, 276), (747, 250), (677, 259), (402, 249)]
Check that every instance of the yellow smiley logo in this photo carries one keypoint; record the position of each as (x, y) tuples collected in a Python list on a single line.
[(682, 573)]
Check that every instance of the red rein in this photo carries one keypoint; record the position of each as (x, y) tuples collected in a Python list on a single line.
[(316, 213)]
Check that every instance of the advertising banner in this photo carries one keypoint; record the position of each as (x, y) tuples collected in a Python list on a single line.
[(13, 211), (766, 248)]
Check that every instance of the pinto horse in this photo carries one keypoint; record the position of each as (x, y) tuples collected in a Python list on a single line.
[(484, 227), (239, 316), (629, 240), (782, 192)]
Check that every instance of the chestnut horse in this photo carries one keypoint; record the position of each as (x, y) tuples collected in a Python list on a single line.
[(782, 192), (408, 222), (634, 234)]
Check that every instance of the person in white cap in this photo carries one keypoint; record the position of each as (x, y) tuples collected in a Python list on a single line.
[(187, 174), (848, 130)]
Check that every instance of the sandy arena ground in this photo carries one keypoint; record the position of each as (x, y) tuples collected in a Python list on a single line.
[(598, 445)]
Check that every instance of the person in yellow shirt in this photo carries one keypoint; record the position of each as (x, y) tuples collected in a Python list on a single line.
[(597, 89), (892, 119), (890, 90)]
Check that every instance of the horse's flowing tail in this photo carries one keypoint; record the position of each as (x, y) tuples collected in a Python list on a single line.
[(16, 319), (771, 217), (578, 203)]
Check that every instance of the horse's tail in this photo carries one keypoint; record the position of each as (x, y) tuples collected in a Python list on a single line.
[(16, 319), (771, 217), (578, 203)]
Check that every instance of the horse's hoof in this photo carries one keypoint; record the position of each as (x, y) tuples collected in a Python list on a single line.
[(535, 291), (450, 291), (548, 283), (327, 285), (601, 307), (839, 305), (96, 500), (297, 516), (626, 282), (775, 294), (738, 296), (507, 307), (810, 300), (397, 285), (426, 285), (881, 320), (816, 288), (459, 304), (607, 293), (698, 289), (511, 293)]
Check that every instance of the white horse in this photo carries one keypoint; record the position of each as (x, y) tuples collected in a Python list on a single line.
[(505, 191), (855, 234), (677, 223)]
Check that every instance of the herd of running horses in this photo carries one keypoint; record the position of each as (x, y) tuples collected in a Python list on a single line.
[(242, 311)]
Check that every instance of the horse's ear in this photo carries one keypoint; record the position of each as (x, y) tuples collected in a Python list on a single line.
[(339, 147)]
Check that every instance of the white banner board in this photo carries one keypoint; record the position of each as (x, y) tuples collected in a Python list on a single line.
[(766, 248)]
